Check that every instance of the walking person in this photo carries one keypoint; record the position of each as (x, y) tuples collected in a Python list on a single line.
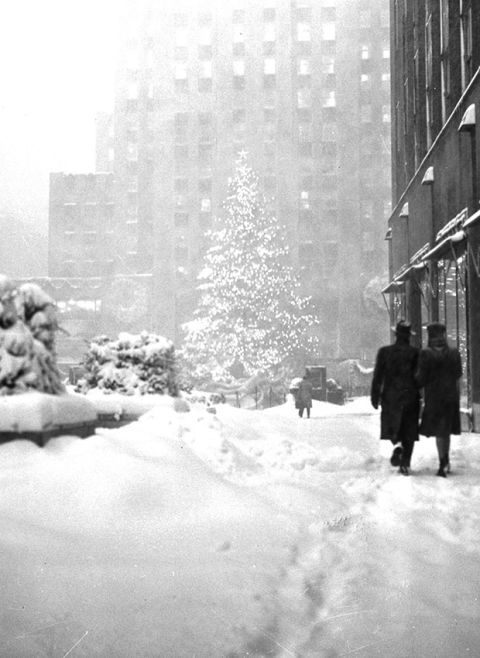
[(304, 396), (439, 371), (394, 388)]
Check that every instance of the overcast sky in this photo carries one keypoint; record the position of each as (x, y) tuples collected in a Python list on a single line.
[(56, 71)]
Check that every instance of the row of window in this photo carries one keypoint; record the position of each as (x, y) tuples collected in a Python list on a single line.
[(269, 15)]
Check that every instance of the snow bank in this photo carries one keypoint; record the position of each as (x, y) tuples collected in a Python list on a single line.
[(244, 533)]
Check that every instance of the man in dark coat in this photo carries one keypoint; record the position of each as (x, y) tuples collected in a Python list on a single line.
[(395, 389), (439, 371), (304, 396)]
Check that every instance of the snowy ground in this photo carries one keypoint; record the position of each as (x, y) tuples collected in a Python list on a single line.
[(245, 533)]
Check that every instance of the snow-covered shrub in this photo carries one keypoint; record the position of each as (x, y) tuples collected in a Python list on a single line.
[(134, 364), (28, 325)]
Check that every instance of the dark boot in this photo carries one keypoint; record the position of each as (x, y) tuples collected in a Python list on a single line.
[(396, 457), (404, 469), (442, 470)]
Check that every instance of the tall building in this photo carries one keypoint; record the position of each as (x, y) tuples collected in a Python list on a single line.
[(434, 229), (304, 88)]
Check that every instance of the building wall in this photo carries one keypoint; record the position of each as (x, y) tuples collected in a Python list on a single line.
[(435, 241), (81, 225)]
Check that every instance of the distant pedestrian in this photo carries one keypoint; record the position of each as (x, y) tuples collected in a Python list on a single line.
[(439, 371), (304, 396), (395, 389)]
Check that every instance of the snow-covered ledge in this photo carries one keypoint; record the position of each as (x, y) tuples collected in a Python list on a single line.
[(40, 416)]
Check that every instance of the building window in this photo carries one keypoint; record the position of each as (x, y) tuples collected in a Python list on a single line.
[(238, 67), (365, 81), (269, 32), (205, 186), (181, 82), (181, 254), (328, 32), (205, 204), (306, 251), (238, 34), (180, 20), (181, 54), (205, 76), (304, 67), (365, 18), (205, 154), (181, 219), (386, 80), (205, 52), (328, 64), (269, 67), (270, 184), (304, 98), (181, 153), (305, 199), (466, 45), (238, 49), (204, 84), (444, 57), (428, 84), (386, 51), (181, 127), (303, 13), (365, 113), (328, 14), (386, 114), (204, 18), (205, 121), (329, 132), (305, 132), (305, 149), (238, 16), (304, 32), (205, 36), (365, 52), (132, 151), (181, 38), (239, 82), (329, 99)]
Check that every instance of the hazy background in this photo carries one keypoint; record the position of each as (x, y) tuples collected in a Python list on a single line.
[(56, 71)]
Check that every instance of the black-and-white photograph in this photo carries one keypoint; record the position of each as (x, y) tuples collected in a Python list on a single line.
[(239, 328)]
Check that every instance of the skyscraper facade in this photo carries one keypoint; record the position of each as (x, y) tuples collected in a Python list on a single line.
[(303, 88)]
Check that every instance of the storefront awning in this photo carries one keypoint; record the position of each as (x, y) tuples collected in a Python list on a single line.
[(393, 286), (472, 221), (446, 246)]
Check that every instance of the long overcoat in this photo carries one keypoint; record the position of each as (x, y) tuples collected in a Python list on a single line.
[(304, 395), (395, 389), (439, 369)]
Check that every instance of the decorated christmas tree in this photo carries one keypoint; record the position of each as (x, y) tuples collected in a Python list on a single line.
[(250, 315)]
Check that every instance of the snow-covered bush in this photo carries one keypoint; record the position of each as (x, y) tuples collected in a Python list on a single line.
[(134, 364), (28, 325)]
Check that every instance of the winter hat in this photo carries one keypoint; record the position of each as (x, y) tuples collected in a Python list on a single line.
[(436, 330), (403, 328)]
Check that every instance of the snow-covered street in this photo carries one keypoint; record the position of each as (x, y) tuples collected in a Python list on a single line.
[(240, 533)]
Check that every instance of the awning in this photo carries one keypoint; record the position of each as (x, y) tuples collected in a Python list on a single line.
[(411, 272), (393, 286), (472, 221), (447, 245)]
